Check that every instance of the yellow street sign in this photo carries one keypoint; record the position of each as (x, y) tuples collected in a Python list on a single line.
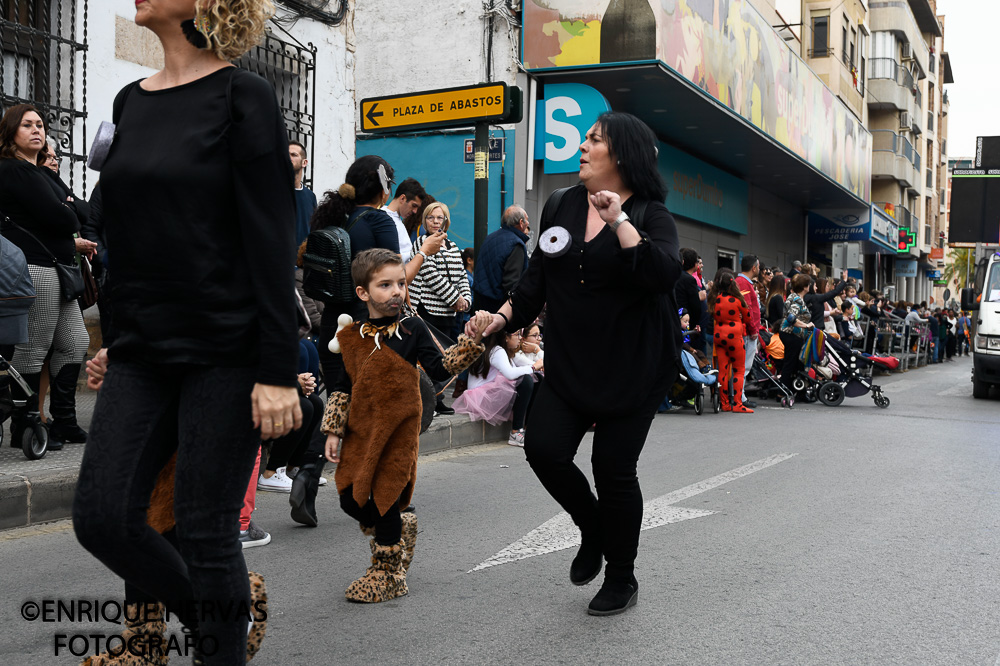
[(435, 108)]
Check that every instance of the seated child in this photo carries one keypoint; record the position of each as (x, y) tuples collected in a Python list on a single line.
[(500, 385), (372, 418)]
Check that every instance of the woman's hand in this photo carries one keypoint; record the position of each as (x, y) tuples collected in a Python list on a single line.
[(433, 243), (530, 348), (308, 383), (275, 410), (607, 204), (333, 448), (85, 247), (461, 305), (538, 365), (97, 367)]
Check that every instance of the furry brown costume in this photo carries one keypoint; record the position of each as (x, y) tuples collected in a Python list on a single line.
[(379, 448)]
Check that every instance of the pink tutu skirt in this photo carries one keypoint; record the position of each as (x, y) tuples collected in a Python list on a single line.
[(492, 402)]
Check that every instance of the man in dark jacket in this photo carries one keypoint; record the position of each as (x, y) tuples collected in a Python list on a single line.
[(502, 260), (689, 296)]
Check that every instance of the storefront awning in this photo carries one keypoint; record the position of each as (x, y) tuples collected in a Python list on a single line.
[(683, 115)]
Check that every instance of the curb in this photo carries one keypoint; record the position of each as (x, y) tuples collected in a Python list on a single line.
[(29, 499)]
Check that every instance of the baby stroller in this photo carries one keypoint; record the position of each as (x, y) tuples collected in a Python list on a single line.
[(763, 378), (686, 387), (26, 427), (854, 379)]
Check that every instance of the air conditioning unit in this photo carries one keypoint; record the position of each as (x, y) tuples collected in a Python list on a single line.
[(905, 120), (907, 51)]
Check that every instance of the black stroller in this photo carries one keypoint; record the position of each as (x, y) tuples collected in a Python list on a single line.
[(853, 380), (26, 427), (763, 379)]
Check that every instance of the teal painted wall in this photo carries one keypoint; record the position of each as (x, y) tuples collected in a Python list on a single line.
[(438, 162), (701, 192)]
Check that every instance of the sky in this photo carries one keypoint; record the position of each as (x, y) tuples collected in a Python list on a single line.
[(970, 37)]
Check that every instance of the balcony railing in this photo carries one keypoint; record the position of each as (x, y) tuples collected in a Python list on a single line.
[(898, 212), (889, 141), (889, 68)]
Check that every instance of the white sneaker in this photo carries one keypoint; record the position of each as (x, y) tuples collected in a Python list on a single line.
[(517, 438), (278, 483)]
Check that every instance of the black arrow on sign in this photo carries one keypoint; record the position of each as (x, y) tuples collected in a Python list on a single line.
[(371, 115)]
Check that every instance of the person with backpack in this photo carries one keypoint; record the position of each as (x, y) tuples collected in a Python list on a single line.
[(606, 265), (352, 216)]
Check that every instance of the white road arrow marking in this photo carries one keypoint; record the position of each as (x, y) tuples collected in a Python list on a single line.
[(560, 533)]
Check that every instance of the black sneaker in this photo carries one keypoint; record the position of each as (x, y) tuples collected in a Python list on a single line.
[(749, 403), (254, 536), (443, 410), (616, 596)]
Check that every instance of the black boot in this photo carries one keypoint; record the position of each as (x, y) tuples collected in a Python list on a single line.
[(587, 563), (616, 596), (62, 403), (442, 409), (302, 498)]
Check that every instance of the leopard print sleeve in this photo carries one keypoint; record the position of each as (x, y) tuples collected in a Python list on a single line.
[(335, 414), (460, 356)]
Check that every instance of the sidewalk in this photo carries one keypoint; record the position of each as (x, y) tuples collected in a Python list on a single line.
[(36, 491)]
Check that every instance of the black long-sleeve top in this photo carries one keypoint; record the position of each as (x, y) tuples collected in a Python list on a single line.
[(199, 217), (413, 344), (93, 229), (775, 309), (815, 303), (29, 199), (598, 294)]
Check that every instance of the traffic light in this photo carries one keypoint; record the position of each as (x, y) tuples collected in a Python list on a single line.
[(907, 240)]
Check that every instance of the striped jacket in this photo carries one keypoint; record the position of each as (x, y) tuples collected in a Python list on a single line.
[(441, 280)]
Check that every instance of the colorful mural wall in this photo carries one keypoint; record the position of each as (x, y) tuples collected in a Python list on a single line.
[(725, 48)]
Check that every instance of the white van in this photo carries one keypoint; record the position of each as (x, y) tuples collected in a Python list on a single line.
[(985, 297)]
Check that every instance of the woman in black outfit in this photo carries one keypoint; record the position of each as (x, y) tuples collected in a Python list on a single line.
[(199, 214), (43, 224), (615, 281), (776, 300)]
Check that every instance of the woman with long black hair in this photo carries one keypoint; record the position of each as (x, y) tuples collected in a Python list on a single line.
[(603, 277)]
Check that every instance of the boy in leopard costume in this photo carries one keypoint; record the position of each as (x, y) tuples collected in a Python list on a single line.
[(372, 417)]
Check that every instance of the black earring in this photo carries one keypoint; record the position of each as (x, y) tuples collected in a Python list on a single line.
[(193, 35)]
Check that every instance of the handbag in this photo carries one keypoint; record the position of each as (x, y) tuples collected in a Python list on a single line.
[(71, 282), (91, 292)]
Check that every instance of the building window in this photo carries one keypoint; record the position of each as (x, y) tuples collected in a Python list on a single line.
[(44, 63), (843, 45), (821, 36), (291, 69), (854, 39)]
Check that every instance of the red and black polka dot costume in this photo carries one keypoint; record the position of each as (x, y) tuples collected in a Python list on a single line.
[(731, 321)]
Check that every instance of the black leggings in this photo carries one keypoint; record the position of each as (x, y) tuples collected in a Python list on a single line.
[(551, 442), (144, 413), (525, 388), (293, 448), (388, 527), (791, 365)]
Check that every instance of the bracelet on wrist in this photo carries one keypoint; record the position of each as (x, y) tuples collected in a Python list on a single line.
[(506, 322)]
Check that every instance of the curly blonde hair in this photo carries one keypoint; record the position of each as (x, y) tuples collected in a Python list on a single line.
[(235, 26)]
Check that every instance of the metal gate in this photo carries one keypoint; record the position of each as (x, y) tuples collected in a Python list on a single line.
[(44, 63), (291, 69)]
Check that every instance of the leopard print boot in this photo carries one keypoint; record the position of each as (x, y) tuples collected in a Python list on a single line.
[(385, 578), (409, 538), (258, 608), (147, 647)]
